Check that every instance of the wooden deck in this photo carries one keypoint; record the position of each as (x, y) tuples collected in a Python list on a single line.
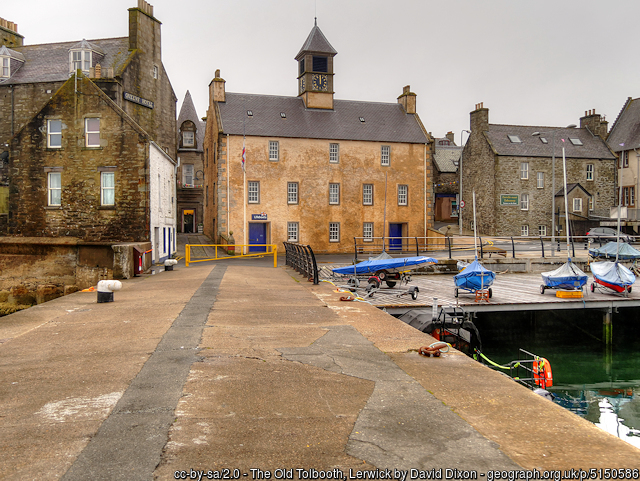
[(511, 292)]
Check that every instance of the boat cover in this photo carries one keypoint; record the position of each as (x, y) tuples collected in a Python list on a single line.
[(397, 264), (612, 273), (474, 277), (627, 252), (567, 276)]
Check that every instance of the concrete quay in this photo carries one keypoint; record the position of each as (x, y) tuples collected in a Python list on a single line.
[(239, 365)]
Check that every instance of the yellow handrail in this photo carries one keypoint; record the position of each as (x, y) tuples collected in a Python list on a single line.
[(273, 251)]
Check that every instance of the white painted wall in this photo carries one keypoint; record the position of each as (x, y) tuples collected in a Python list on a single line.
[(162, 200)]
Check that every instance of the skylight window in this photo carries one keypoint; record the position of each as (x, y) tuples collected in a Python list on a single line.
[(514, 139), (575, 141), (362, 119), (250, 113), (544, 140), (283, 115)]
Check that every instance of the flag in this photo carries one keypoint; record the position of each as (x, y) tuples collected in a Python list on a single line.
[(244, 155)]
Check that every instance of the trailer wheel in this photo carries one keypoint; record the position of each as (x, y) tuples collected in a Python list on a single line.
[(382, 275), (391, 283), (593, 287), (414, 293), (455, 292), (375, 282), (629, 289), (490, 293), (542, 288)]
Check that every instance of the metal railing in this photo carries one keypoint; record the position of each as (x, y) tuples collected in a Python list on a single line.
[(270, 249), (510, 246), (302, 259)]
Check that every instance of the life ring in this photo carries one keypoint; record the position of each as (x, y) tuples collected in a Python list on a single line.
[(542, 374)]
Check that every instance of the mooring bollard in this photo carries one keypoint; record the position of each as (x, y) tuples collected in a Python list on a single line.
[(169, 263), (105, 290)]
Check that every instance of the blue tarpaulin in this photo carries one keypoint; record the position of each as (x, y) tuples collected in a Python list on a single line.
[(608, 251), (567, 276), (474, 277)]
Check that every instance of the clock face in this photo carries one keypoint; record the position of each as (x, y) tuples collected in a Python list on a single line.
[(301, 84), (320, 82)]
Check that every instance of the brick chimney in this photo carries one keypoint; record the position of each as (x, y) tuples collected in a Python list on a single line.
[(408, 100), (479, 119), (216, 89), (595, 123), (9, 35), (450, 137)]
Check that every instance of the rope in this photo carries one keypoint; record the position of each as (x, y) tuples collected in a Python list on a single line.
[(495, 364)]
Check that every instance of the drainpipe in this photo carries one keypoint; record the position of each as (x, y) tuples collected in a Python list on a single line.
[(425, 194), (228, 165)]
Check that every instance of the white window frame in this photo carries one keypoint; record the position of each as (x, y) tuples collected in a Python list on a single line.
[(524, 171), (334, 193), (5, 67), (540, 180), (253, 192), (577, 204), (590, 171), (591, 203), (524, 201), (334, 153), (55, 192), (385, 155), (187, 175), (403, 194), (293, 231), (524, 231), (274, 151), (188, 138), (334, 231), (107, 192), (83, 58), (632, 195), (292, 192), (542, 230), (89, 134), (53, 133), (367, 231), (367, 194)]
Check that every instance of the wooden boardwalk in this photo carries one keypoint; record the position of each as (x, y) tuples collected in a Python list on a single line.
[(511, 292)]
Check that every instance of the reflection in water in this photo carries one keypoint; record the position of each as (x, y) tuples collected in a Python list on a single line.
[(599, 384)]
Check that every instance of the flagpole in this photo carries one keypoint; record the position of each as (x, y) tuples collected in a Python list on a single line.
[(244, 191)]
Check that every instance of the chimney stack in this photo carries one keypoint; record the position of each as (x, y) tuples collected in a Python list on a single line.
[(408, 100), (217, 89), (9, 35), (596, 124), (450, 137), (479, 119)]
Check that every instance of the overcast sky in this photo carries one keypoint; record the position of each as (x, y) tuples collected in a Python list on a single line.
[(533, 63)]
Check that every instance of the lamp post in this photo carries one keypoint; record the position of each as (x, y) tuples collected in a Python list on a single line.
[(553, 181), (460, 187)]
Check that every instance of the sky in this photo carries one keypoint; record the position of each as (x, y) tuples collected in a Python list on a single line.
[(540, 63)]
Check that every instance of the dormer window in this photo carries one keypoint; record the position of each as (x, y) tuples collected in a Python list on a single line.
[(83, 56), (188, 139), (188, 130), (4, 65)]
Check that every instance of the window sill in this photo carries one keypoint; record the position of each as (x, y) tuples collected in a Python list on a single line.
[(107, 207), (92, 148), (53, 207), (53, 149)]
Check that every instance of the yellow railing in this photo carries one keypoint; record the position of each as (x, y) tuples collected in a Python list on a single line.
[(271, 249)]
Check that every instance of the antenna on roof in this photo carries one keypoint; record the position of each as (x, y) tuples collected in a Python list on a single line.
[(315, 17)]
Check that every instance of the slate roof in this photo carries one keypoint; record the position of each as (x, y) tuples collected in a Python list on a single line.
[(626, 128), (570, 187), (593, 146), (4, 50), (316, 42), (383, 122), (49, 62), (188, 112), (446, 157)]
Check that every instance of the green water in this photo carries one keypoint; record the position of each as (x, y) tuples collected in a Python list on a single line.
[(598, 383)]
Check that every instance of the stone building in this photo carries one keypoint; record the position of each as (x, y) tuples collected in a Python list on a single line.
[(510, 167), (191, 169), (446, 178), (624, 140), (89, 141), (318, 170)]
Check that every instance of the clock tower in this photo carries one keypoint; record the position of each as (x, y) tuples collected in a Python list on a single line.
[(315, 71)]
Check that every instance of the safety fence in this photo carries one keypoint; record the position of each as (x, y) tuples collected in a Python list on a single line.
[(486, 246), (302, 259), (209, 252)]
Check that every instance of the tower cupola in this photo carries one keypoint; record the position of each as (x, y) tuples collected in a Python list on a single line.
[(315, 71)]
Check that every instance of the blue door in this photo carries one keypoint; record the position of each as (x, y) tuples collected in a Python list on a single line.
[(257, 235), (395, 237)]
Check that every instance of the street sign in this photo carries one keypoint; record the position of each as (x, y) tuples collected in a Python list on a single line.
[(462, 204)]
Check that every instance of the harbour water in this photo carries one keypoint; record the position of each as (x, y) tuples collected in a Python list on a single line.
[(599, 383)]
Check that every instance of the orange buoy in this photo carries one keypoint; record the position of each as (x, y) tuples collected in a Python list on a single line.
[(542, 374)]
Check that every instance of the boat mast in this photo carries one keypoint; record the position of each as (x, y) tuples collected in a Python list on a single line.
[(566, 201), (619, 215), (475, 231)]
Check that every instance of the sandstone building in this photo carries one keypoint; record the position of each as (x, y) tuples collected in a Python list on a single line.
[(446, 158), (317, 170), (190, 178), (88, 141), (511, 171)]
